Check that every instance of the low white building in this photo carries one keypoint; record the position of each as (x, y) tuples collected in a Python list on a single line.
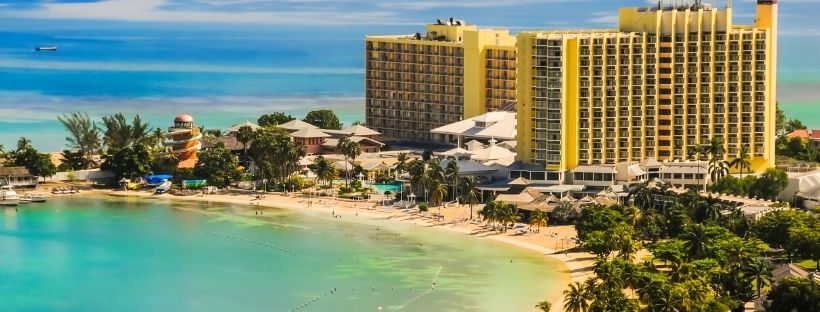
[(18, 177)]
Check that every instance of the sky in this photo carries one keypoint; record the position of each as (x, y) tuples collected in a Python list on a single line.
[(235, 59)]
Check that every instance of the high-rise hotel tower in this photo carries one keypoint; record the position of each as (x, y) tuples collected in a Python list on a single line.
[(668, 79), (418, 82)]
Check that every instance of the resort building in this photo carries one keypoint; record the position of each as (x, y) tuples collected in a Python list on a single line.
[(666, 80), (183, 140), (17, 177), (453, 71)]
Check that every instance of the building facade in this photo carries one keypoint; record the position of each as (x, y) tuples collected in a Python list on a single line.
[(415, 83), (668, 79)]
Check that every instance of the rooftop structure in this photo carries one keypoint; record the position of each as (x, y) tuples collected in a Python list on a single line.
[(183, 140), (492, 125)]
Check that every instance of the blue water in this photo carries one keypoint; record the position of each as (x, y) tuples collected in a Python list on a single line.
[(229, 72), (393, 188), (95, 254)]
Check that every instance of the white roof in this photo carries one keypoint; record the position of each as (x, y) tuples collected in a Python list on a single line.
[(357, 139), (500, 125), (342, 165), (684, 167), (635, 171), (297, 124), (374, 165), (456, 151), (467, 167), (235, 128), (560, 188), (493, 152), (359, 130), (309, 133), (474, 145), (650, 162), (594, 169)]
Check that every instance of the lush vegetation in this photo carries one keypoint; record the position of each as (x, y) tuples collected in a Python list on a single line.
[(217, 165), (767, 185), (705, 256), (270, 120), (25, 155), (275, 154), (794, 294), (323, 118)]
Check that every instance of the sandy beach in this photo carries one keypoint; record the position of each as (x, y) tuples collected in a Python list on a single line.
[(549, 242)]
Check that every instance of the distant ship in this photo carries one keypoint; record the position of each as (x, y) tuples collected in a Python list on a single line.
[(45, 49)]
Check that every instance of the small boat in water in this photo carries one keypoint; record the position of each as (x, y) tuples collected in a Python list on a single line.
[(45, 49), (34, 198), (8, 197)]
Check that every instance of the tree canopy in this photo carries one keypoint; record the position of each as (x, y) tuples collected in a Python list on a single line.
[(277, 118), (323, 118), (83, 133), (217, 165), (26, 156), (130, 162)]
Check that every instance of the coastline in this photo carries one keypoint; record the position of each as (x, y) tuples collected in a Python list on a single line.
[(577, 265)]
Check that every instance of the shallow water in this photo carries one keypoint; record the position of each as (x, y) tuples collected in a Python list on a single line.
[(92, 254)]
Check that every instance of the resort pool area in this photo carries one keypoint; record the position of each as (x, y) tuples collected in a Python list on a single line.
[(110, 254), (382, 187)]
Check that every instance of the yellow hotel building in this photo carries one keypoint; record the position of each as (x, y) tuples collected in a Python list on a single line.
[(667, 79), (418, 82)]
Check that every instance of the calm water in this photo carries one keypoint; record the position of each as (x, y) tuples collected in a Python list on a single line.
[(127, 255)]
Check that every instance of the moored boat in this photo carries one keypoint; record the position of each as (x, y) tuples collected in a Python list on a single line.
[(8, 197), (163, 188)]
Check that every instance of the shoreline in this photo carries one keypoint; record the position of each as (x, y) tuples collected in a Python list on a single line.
[(577, 265)]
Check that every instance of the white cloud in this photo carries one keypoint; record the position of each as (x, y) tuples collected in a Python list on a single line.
[(156, 11)]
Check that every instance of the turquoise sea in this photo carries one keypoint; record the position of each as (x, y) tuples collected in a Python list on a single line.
[(228, 61), (110, 254)]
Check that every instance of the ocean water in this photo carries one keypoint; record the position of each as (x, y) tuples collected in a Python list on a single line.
[(226, 73), (94, 254)]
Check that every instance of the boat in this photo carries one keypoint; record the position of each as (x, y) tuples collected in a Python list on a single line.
[(8, 197), (45, 49), (163, 188), (35, 198)]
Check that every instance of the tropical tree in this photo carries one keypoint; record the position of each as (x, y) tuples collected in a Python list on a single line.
[(74, 161), (25, 155), (132, 161), (401, 164), (696, 241), (350, 150), (83, 133), (451, 175), (277, 118), (544, 306), (469, 193), (577, 298), (769, 184), (718, 168), (642, 195), (564, 213), (324, 169), (538, 219), (743, 161), (323, 118), (794, 294), (269, 150), (760, 273), (217, 165), (245, 135), (490, 212), (438, 191), (120, 134)]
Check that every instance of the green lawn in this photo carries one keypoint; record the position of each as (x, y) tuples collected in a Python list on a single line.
[(808, 265)]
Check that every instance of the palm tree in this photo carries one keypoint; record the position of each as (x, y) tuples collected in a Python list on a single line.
[(641, 195), (490, 212), (718, 168), (577, 297), (696, 241), (401, 164), (699, 151), (538, 219), (451, 174), (23, 143), (668, 300), (350, 150), (760, 273), (470, 194), (743, 161), (509, 215), (438, 191), (244, 135), (323, 169), (544, 306)]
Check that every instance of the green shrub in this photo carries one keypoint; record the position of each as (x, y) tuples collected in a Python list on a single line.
[(423, 207)]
